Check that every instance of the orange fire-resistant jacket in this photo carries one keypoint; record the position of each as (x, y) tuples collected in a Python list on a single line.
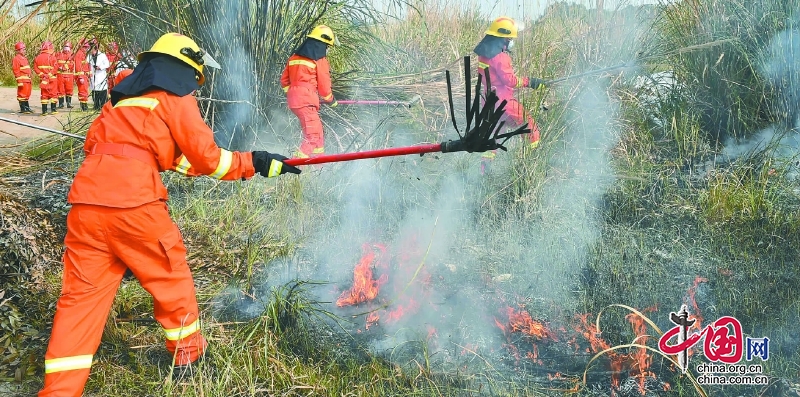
[(66, 63), (44, 65), (304, 81), (22, 70), (130, 143), (81, 64), (501, 75)]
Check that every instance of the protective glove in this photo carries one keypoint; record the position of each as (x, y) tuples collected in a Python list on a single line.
[(334, 104), (535, 83), (269, 164)]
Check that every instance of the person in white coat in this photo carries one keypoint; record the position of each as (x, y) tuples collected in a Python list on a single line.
[(98, 82)]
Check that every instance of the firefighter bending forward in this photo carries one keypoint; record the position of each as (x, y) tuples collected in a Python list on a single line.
[(305, 79), (119, 218)]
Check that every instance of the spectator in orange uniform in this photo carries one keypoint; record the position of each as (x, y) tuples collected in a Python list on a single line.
[(66, 72), (119, 218), (494, 59), (22, 73), (44, 65), (305, 79), (82, 73)]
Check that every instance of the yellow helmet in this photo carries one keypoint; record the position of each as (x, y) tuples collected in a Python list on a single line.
[(185, 49), (503, 27), (324, 34)]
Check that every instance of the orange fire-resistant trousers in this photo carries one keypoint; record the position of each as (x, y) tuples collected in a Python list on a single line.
[(24, 90), (48, 90), (514, 117), (83, 88), (66, 85), (313, 140), (101, 243)]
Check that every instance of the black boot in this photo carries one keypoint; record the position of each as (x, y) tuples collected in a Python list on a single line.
[(44, 110), (69, 102), (84, 107), (61, 103), (53, 108), (22, 106), (28, 109)]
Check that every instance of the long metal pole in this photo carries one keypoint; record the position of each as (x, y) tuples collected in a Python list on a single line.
[(38, 127)]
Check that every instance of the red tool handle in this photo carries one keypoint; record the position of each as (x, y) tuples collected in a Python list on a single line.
[(369, 154)]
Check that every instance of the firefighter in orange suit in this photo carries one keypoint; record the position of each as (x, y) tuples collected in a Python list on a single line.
[(494, 59), (305, 79), (66, 72), (22, 73), (119, 219), (44, 65), (82, 72)]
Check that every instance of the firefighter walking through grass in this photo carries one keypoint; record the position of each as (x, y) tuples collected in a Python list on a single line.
[(305, 79), (45, 65), (22, 73), (119, 219), (494, 60)]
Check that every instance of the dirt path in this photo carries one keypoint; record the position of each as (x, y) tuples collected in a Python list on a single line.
[(13, 135)]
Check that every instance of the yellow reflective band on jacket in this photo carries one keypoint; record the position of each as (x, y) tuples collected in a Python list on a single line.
[(182, 332), (328, 98), (483, 65), (143, 102), (275, 168), (286, 89), (25, 67), (183, 165), (67, 363), (225, 161), (303, 62), (319, 150)]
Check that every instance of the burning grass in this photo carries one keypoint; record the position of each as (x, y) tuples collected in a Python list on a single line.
[(440, 281)]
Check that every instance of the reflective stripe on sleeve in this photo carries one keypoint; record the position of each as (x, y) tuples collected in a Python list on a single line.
[(182, 332), (67, 363), (328, 98), (519, 82), (483, 65), (286, 89), (303, 62), (225, 161), (143, 102), (274, 168), (183, 165)]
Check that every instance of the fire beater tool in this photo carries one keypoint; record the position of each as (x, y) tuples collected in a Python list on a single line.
[(413, 100), (38, 127), (484, 136)]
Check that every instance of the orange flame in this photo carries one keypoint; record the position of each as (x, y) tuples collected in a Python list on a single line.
[(364, 288), (640, 359), (690, 293)]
